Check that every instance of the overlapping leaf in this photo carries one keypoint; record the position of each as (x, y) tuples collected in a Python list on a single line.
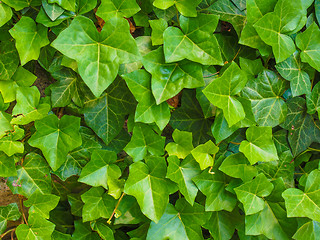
[(8, 213)]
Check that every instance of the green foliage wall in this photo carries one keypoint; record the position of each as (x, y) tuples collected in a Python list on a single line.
[(100, 154)]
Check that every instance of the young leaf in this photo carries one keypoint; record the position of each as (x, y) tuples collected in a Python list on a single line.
[(38, 228), (148, 185), (307, 203), (10, 144), (158, 27), (8, 213), (5, 13), (221, 93), (147, 111), (115, 8), (41, 204), (194, 42), (97, 203), (32, 175), (182, 145), (185, 7), (260, 146), (202, 154), (56, 137), (98, 55), (168, 79), (35, 36), (250, 194), (185, 222), (144, 140), (182, 173), (308, 231)]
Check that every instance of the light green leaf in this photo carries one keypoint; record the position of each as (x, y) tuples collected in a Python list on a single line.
[(97, 203), (184, 222), (212, 185), (103, 229), (56, 235), (144, 140), (83, 231), (52, 10), (265, 95), (56, 137), (158, 27), (237, 166), (41, 204), (190, 117), (194, 41), (147, 111), (101, 170), (115, 8), (38, 228), (69, 5), (313, 100), (168, 79), (202, 154), (26, 32), (307, 203), (259, 146), (20, 4), (10, 144), (32, 175), (148, 185), (5, 125), (21, 78), (182, 145), (8, 213), (9, 60), (185, 7), (301, 126), (7, 165), (105, 115), (5, 13), (230, 13), (181, 172), (98, 55), (27, 108), (221, 93), (84, 6), (308, 231), (250, 193), (309, 44), (293, 70)]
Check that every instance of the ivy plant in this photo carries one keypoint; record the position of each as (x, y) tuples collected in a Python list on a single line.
[(160, 119)]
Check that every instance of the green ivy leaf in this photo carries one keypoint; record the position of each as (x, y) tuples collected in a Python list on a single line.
[(9, 60), (114, 8), (302, 128), (32, 175), (202, 154), (237, 166), (158, 27), (98, 55), (185, 222), (185, 7), (182, 145), (76, 204), (168, 79), (307, 203), (148, 185), (101, 170), (194, 41), (10, 144), (5, 125), (250, 194), (83, 231), (69, 5), (7, 165), (8, 213), (5, 13), (52, 10), (147, 111), (27, 108), (35, 36), (56, 137), (103, 229), (221, 93), (20, 4), (309, 44), (260, 146), (182, 173), (308, 231), (105, 115), (265, 95), (97, 203), (313, 100), (41, 204), (38, 228), (144, 140), (292, 70)]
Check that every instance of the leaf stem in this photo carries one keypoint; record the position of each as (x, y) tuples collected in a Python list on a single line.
[(115, 209), (235, 143), (22, 210), (9, 231)]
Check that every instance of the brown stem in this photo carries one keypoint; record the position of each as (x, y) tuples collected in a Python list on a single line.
[(115, 209), (22, 210), (9, 231)]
